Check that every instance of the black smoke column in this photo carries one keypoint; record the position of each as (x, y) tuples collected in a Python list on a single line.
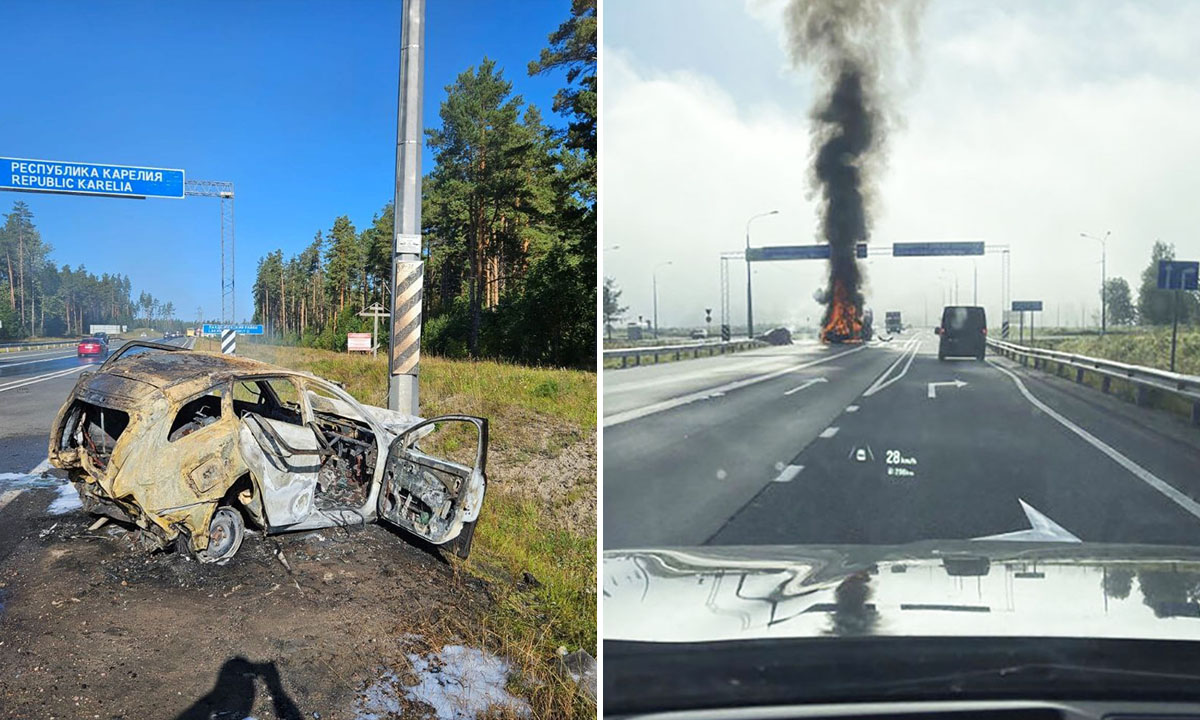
[(848, 43)]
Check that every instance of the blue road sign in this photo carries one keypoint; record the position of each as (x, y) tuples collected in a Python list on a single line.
[(797, 252), (915, 249), (239, 329), (1023, 305), (77, 178), (1178, 275)]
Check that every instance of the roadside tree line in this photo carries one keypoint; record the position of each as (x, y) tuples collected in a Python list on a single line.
[(509, 227), (1152, 306), (38, 297)]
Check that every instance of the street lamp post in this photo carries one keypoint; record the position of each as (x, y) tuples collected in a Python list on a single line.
[(654, 280), (749, 294), (1103, 277)]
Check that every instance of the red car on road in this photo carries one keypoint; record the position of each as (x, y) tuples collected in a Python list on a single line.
[(91, 347)]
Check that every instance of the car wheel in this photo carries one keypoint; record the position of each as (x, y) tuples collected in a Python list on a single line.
[(225, 533)]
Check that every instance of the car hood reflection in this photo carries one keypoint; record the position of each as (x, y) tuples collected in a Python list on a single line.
[(924, 589)]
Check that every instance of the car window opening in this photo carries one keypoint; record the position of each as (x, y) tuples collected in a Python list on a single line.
[(199, 413), (95, 429)]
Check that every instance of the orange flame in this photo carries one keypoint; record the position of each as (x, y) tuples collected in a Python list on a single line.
[(843, 320)]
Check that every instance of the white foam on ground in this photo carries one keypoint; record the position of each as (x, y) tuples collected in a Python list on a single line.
[(459, 683), (67, 500)]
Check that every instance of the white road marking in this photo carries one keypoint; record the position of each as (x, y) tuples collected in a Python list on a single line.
[(636, 413), (1141, 473), (852, 408), (911, 348), (806, 383), (1042, 529), (31, 362), (933, 386), (8, 497), (39, 378), (829, 431), (789, 473)]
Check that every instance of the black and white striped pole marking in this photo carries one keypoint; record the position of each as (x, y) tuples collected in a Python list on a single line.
[(228, 341)]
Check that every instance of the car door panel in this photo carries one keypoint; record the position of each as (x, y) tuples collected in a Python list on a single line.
[(428, 496), (285, 459)]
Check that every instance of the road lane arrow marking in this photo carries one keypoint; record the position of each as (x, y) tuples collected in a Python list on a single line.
[(789, 473), (1042, 529), (935, 385), (806, 383)]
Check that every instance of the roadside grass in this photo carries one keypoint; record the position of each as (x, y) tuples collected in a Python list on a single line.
[(1148, 347), (541, 567)]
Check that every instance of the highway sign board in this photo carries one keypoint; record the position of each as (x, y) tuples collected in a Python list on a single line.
[(78, 178), (239, 329), (1026, 305), (1178, 275), (359, 342), (916, 249), (797, 252)]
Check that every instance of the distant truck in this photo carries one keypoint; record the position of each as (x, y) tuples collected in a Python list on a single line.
[(892, 321), (106, 329)]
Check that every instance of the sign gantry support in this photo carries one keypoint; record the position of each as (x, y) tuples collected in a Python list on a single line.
[(224, 191)]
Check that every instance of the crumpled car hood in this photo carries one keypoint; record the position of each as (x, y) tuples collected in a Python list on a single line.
[(958, 588)]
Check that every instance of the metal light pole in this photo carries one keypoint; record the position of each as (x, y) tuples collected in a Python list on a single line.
[(1103, 277), (407, 268), (654, 280), (749, 294)]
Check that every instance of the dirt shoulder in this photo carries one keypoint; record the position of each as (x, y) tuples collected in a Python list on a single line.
[(94, 626)]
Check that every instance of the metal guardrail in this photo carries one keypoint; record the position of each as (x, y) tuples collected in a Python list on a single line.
[(713, 348), (1142, 378), (18, 347)]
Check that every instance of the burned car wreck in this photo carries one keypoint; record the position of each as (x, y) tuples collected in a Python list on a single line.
[(188, 446)]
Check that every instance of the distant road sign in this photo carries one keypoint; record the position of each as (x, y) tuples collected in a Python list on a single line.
[(77, 178), (1178, 275), (797, 252), (240, 329), (916, 249), (358, 342), (1024, 305)]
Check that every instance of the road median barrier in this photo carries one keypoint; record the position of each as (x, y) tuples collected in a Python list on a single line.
[(675, 352)]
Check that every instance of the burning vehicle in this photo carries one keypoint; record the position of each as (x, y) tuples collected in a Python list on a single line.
[(187, 446)]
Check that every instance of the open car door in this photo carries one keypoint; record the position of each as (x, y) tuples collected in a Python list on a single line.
[(286, 460), (436, 500)]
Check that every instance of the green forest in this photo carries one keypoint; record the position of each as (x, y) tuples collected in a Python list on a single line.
[(509, 226), (39, 298)]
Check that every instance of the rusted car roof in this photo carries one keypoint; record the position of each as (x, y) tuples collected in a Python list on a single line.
[(181, 373)]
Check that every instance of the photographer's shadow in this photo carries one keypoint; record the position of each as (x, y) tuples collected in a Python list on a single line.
[(233, 694)]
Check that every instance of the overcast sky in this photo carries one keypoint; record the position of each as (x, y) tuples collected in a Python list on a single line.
[(1023, 125)]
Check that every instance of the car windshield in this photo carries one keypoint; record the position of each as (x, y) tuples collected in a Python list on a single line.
[(941, 325)]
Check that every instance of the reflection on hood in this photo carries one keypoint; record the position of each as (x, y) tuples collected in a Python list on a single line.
[(925, 589)]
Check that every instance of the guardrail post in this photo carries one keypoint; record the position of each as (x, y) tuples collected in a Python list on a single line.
[(624, 361), (1079, 375), (1196, 413), (1105, 384), (1140, 395), (637, 359)]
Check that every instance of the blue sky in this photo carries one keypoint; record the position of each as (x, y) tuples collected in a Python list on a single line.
[(294, 102)]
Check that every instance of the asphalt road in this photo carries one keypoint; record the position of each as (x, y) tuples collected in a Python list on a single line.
[(849, 444), (33, 385)]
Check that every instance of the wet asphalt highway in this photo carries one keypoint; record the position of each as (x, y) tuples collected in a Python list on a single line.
[(850, 444)]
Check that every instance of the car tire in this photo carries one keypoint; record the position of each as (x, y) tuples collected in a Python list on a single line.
[(941, 355), (225, 533)]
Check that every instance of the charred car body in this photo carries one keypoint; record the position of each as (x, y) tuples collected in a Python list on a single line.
[(186, 445)]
